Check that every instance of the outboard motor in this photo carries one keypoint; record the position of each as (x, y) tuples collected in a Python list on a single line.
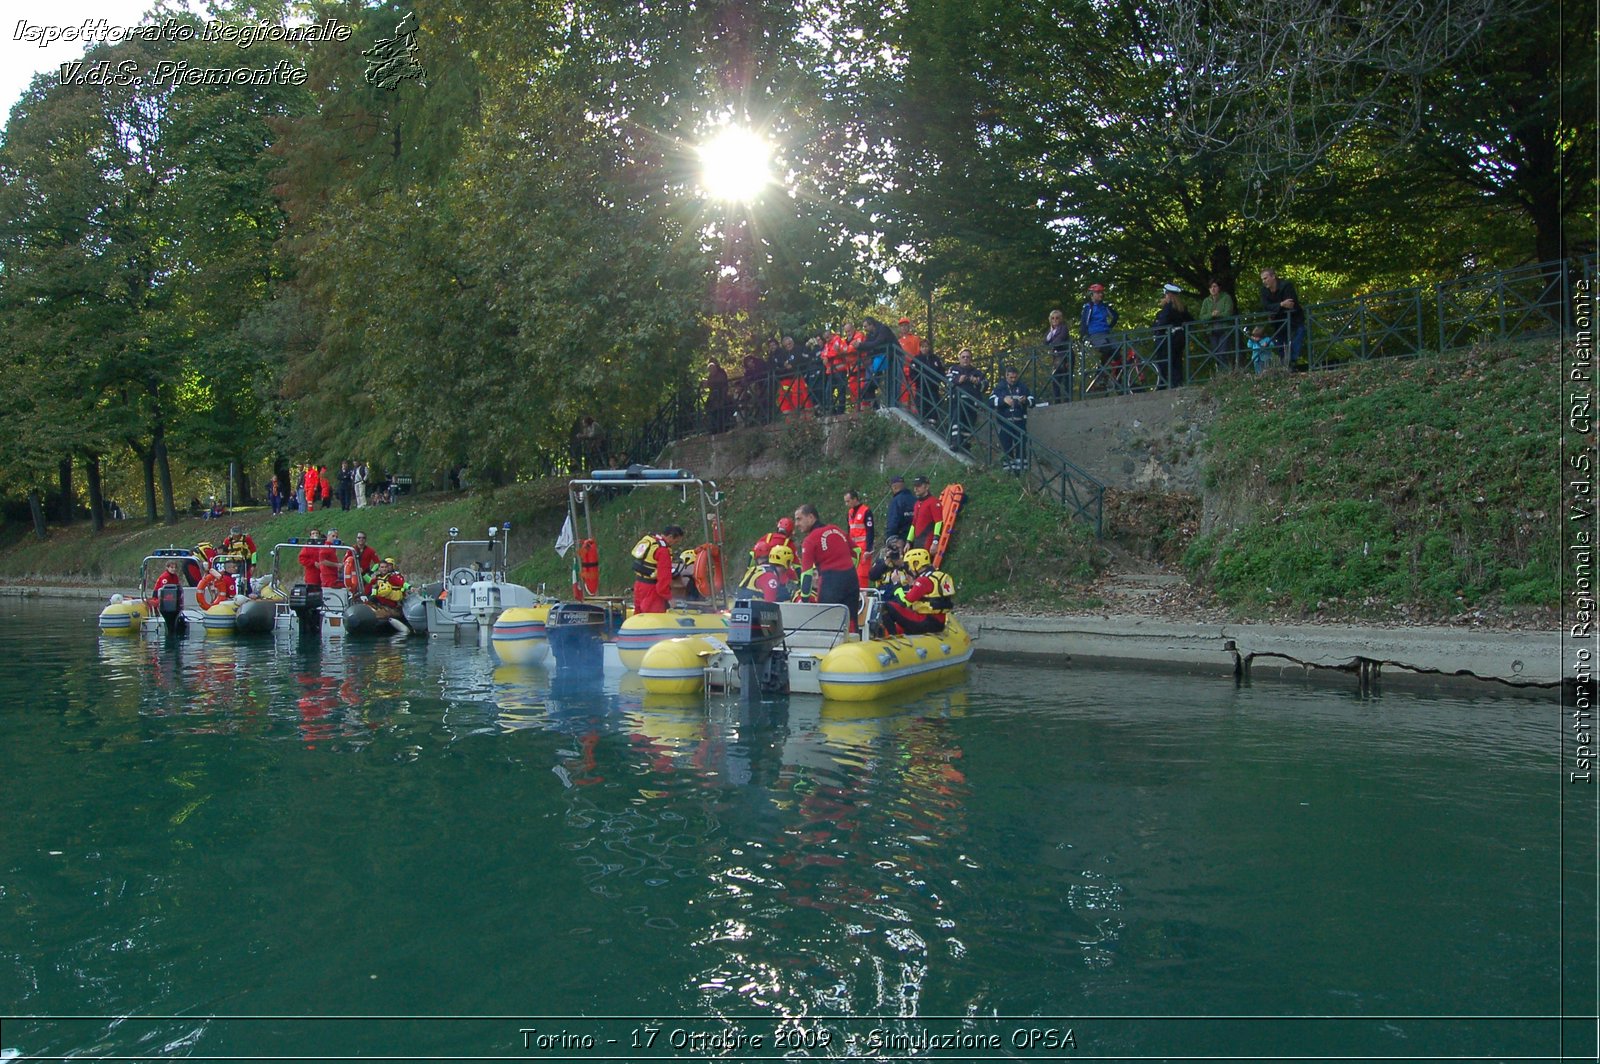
[(169, 604), (755, 631), (305, 601), (577, 633)]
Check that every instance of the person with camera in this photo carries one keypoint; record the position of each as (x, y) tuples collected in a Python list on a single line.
[(921, 606), (889, 568)]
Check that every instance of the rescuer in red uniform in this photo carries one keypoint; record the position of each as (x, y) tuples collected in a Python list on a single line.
[(927, 517), (827, 551), (311, 559), (652, 564)]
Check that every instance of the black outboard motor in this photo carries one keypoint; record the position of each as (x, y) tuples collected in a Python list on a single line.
[(577, 633), (169, 604), (305, 601), (755, 631)]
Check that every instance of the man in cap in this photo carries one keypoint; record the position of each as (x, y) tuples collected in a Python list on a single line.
[(927, 519), (901, 504)]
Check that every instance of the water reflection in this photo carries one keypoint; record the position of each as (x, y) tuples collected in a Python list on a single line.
[(395, 828)]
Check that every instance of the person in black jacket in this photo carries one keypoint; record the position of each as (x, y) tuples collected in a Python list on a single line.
[(1011, 400), (1171, 340), (901, 503), (876, 343), (1281, 300)]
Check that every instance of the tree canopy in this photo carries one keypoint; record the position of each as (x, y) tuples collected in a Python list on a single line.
[(441, 238)]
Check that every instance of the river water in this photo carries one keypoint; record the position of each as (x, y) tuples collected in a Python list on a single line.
[(398, 849)]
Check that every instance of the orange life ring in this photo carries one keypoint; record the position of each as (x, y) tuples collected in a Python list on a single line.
[(352, 576), (209, 591), (589, 565), (708, 569)]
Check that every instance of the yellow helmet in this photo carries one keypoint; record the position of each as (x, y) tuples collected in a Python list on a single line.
[(918, 559), (781, 555), (686, 556)]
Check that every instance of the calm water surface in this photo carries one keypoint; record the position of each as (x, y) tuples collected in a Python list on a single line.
[(258, 831)]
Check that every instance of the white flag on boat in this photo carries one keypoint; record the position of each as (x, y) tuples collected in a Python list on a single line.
[(566, 540)]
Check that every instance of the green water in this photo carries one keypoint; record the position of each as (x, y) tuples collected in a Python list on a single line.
[(205, 841)]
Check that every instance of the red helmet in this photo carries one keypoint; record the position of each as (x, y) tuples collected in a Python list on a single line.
[(1097, 288), (786, 525), (761, 549)]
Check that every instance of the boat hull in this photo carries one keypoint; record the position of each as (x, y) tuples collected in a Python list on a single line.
[(519, 636), (122, 616), (644, 630), (882, 668)]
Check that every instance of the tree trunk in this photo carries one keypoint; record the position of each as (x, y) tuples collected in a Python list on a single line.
[(36, 508), (97, 502), (65, 476), (158, 449), (1222, 267), (147, 462)]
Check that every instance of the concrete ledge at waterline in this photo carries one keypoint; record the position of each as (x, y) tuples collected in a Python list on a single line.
[(1525, 660), (51, 592)]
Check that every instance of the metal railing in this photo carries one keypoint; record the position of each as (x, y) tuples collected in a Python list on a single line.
[(1524, 302)]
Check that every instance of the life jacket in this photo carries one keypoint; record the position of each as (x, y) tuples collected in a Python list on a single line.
[(943, 596), (770, 540), (748, 580), (644, 555), (589, 565), (858, 527), (390, 590)]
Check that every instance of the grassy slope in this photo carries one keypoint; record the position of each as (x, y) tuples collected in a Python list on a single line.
[(1008, 548), (1429, 484)]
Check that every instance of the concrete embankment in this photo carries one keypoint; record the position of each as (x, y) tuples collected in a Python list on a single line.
[(1362, 657)]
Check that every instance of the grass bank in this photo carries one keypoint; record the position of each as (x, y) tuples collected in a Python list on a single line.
[(1009, 549), (1428, 486)]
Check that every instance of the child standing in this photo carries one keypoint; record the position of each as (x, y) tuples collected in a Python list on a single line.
[(1262, 349)]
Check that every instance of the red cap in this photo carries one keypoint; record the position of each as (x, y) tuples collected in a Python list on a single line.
[(905, 321), (786, 525), (1097, 288)]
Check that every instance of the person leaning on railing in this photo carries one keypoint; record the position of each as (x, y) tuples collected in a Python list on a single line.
[(1058, 340), (1216, 314)]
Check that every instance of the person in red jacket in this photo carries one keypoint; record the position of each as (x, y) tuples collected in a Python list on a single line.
[(783, 535), (366, 559), (920, 607), (311, 559), (652, 565), (927, 516), (827, 552), (313, 487), (169, 575), (332, 560)]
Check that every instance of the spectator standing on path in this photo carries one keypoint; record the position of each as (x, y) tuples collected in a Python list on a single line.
[(1262, 350), (275, 494), (1011, 400), (1281, 300), (361, 485), (1058, 339), (927, 374), (876, 343), (901, 504), (1171, 336), (967, 384), (1095, 323), (347, 485), (1217, 312), (326, 481)]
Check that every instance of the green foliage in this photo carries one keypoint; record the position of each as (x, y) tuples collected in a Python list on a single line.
[(1425, 482), (802, 439)]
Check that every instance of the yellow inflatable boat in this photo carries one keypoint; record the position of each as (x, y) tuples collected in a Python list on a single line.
[(122, 615), (644, 630), (519, 635), (879, 668)]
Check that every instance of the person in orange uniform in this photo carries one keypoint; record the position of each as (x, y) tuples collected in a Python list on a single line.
[(311, 559), (652, 564), (927, 516), (858, 516), (911, 344), (921, 606), (784, 535), (386, 595)]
